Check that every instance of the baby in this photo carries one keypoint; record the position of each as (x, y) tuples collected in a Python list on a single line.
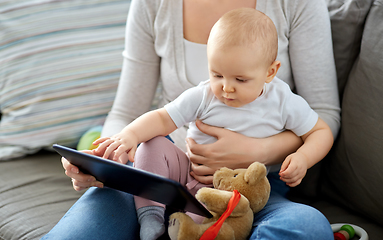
[(243, 94)]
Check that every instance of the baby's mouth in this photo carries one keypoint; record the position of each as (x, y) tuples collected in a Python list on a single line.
[(228, 99)]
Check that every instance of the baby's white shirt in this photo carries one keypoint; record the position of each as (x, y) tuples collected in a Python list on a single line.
[(276, 110)]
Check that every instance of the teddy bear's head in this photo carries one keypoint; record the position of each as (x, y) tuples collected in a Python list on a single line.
[(251, 182)]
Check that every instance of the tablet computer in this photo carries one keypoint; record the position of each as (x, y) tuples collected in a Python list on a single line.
[(135, 181)]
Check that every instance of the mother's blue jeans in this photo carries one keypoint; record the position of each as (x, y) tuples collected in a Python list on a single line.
[(110, 214)]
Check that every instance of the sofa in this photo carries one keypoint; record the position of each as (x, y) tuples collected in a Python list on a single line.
[(59, 68)]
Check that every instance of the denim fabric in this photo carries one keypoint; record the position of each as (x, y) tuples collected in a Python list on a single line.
[(101, 213), (283, 219), (110, 214)]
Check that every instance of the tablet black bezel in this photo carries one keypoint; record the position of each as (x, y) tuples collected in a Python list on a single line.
[(144, 184)]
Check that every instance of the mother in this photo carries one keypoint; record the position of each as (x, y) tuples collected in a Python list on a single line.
[(166, 41)]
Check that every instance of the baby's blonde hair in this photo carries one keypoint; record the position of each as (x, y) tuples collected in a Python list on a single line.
[(246, 27)]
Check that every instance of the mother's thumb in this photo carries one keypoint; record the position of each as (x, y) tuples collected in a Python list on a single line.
[(207, 129)]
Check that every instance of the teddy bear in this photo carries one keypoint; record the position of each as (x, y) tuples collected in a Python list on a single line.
[(254, 189)]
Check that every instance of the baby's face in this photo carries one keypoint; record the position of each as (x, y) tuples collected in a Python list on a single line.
[(237, 74)]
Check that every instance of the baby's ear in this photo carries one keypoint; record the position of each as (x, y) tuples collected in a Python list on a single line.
[(272, 71), (255, 172)]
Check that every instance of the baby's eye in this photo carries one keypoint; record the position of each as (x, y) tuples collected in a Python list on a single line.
[(218, 76), (241, 80), (235, 175)]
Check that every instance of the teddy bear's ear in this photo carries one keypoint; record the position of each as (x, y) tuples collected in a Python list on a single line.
[(255, 172)]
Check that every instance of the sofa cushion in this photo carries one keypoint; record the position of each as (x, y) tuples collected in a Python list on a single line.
[(353, 172), (34, 194), (60, 63), (337, 214), (347, 21)]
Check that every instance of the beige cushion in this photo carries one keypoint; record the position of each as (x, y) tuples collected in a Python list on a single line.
[(60, 63)]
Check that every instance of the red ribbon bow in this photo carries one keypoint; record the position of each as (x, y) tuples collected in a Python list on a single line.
[(212, 231)]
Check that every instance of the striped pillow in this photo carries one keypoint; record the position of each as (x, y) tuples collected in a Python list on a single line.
[(60, 63)]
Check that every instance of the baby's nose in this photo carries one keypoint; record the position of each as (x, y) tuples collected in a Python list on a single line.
[(228, 88)]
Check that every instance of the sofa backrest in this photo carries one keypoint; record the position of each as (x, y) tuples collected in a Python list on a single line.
[(60, 63), (353, 171)]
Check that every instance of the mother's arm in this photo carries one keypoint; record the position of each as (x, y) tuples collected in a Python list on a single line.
[(140, 71), (312, 61), (234, 150), (136, 89)]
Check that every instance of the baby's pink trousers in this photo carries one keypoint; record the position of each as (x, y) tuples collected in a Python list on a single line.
[(162, 157)]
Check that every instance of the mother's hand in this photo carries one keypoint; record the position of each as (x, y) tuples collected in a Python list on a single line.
[(232, 150), (80, 180)]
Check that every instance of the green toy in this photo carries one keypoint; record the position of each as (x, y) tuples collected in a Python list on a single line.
[(88, 138), (344, 231)]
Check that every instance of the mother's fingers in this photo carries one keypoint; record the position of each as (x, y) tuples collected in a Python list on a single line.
[(80, 180), (68, 166), (202, 170), (193, 148), (78, 185), (197, 152), (82, 177), (208, 129), (203, 179), (202, 173)]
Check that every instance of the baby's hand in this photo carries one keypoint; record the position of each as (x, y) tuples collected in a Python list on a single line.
[(118, 148), (293, 169)]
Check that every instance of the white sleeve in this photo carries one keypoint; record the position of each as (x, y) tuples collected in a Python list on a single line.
[(185, 108), (300, 118)]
